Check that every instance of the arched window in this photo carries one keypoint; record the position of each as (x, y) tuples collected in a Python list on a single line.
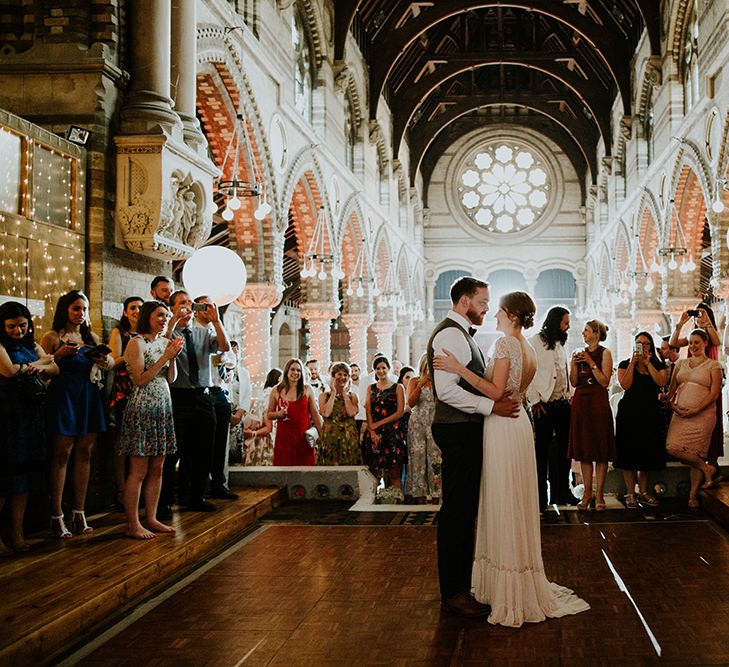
[(350, 133), (302, 67), (690, 61)]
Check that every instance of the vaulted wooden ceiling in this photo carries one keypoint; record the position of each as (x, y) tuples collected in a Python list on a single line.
[(446, 66)]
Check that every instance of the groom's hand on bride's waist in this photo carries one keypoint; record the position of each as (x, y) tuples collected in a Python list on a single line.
[(506, 407)]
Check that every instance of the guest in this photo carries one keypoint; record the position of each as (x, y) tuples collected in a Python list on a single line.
[(23, 366), (192, 404), (75, 409), (548, 395), (239, 391), (339, 444), (670, 356), (121, 386), (403, 378), (695, 387), (639, 435), (315, 380), (704, 319), (259, 429), (359, 385), (422, 477), (148, 427), (161, 289), (222, 363), (592, 436), (383, 446), (293, 405), (406, 373)]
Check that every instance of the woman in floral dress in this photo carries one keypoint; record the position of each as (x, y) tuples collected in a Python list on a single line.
[(121, 386), (422, 479), (383, 446), (339, 444), (148, 430)]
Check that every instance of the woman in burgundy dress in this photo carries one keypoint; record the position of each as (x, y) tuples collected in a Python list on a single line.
[(384, 447), (592, 434), (293, 405)]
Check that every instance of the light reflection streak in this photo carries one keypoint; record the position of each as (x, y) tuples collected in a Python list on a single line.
[(624, 588)]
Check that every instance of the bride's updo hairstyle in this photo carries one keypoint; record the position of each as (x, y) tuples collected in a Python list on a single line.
[(599, 328), (521, 306)]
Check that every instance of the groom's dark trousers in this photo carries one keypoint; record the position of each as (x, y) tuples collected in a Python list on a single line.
[(461, 446)]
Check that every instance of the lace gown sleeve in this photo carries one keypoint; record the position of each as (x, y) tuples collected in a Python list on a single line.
[(508, 347)]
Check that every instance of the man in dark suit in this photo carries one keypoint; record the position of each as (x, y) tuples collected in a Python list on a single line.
[(458, 432)]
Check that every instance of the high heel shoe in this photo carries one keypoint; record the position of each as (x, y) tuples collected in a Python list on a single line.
[(78, 523), (584, 504), (58, 528)]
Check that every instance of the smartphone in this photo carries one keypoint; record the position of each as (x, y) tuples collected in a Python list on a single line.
[(693, 313), (638, 348), (199, 307)]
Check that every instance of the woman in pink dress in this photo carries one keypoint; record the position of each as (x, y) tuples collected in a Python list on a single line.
[(695, 387), (292, 403)]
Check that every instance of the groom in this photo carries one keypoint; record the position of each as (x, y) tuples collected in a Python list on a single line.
[(458, 432)]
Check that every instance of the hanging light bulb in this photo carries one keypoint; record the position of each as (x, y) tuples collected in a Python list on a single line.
[(718, 205), (234, 203), (227, 215), (264, 208), (633, 287), (673, 264), (322, 274), (649, 285), (691, 264), (655, 266), (376, 290), (360, 291), (684, 267), (350, 291)]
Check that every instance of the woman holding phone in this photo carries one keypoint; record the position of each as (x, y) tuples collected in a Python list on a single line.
[(639, 424), (75, 410)]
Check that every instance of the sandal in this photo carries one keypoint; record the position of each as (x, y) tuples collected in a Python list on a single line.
[(600, 505), (630, 501), (584, 504), (58, 528), (649, 500), (693, 504), (78, 523)]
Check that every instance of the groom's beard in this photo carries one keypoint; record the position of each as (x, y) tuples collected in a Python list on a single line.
[(474, 317)]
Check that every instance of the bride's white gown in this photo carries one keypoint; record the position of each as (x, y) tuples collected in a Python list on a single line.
[(508, 572)]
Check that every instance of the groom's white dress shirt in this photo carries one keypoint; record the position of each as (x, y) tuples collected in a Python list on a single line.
[(446, 384)]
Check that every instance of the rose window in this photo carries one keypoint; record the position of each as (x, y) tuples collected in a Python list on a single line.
[(504, 187)]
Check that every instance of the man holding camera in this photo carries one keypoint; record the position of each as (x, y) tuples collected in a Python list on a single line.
[(192, 403)]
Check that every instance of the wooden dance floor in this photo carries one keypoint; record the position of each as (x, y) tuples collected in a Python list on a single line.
[(367, 595)]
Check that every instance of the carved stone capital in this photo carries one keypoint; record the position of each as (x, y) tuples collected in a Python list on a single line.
[(284, 4), (383, 327), (313, 311), (626, 127), (164, 196), (375, 132), (654, 71), (357, 321), (259, 296), (341, 76), (607, 164)]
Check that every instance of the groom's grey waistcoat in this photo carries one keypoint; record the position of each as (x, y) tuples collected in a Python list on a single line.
[(444, 413)]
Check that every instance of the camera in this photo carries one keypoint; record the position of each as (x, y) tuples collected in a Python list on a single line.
[(693, 312), (199, 307)]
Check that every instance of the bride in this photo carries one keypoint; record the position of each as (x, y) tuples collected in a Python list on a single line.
[(508, 572)]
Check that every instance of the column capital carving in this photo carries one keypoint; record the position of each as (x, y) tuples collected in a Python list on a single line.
[(383, 327), (259, 296), (318, 311), (357, 320)]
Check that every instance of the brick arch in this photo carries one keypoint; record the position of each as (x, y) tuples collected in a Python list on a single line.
[(419, 283), (690, 206), (218, 102), (306, 201), (402, 274), (622, 251), (304, 162), (382, 258), (606, 269), (352, 240), (649, 234)]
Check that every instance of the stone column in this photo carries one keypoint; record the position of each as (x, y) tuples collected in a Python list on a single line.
[(402, 342), (418, 342), (429, 299), (624, 327), (383, 330), (320, 316), (183, 69), (256, 303), (148, 103), (357, 325)]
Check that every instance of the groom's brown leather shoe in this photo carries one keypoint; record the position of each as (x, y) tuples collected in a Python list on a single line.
[(464, 605)]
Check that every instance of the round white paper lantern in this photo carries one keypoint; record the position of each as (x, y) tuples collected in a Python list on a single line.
[(216, 272)]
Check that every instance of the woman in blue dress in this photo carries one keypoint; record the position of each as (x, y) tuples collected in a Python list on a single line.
[(75, 410), (148, 429), (22, 438)]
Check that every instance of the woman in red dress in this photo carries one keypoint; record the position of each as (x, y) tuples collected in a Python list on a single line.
[(292, 403)]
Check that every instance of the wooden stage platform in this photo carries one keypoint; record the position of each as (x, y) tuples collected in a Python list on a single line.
[(63, 591)]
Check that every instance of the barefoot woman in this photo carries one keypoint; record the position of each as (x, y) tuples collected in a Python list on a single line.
[(148, 430)]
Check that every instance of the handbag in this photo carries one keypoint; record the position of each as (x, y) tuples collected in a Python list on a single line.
[(31, 387), (312, 436)]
